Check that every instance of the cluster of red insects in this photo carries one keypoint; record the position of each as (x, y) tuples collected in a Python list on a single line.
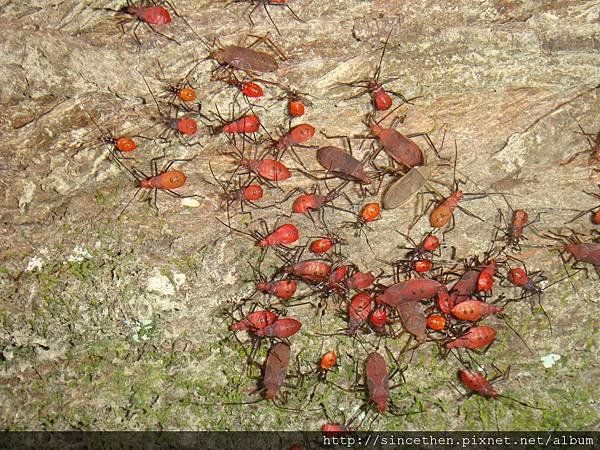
[(426, 297)]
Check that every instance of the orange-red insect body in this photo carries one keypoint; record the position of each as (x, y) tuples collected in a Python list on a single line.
[(248, 124), (281, 328), (276, 367), (378, 381), (125, 144), (284, 289), (321, 246), (251, 89), (485, 281), (328, 360), (519, 222), (256, 320), (311, 270), (381, 99), (308, 202), (185, 126), (422, 265), (171, 179), (296, 107), (464, 288), (370, 212), (442, 213), (297, 135), (476, 337), (410, 290), (378, 320), (518, 276), (342, 164), (474, 310), (283, 235), (153, 15), (477, 382), (252, 192), (587, 252), (336, 277), (444, 302), (358, 311), (269, 169), (360, 280), (436, 322), (398, 147), (430, 243), (246, 59), (186, 94)]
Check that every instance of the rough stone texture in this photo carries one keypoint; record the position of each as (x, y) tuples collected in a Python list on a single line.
[(93, 335)]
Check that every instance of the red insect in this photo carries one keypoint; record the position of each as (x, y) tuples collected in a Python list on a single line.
[(464, 288), (398, 147), (149, 15), (245, 125), (297, 135), (422, 265), (248, 88), (256, 320), (119, 145), (311, 270), (442, 214), (378, 320), (378, 381), (164, 180), (410, 290), (245, 59), (436, 322), (358, 311), (476, 337), (444, 302), (588, 252), (485, 281), (336, 277), (477, 383), (360, 280), (283, 235), (281, 328), (183, 91), (308, 202), (520, 221), (322, 245), (275, 369), (296, 107), (283, 289), (341, 164), (268, 169), (370, 212), (429, 244), (154, 15), (328, 361), (242, 191), (474, 310)]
